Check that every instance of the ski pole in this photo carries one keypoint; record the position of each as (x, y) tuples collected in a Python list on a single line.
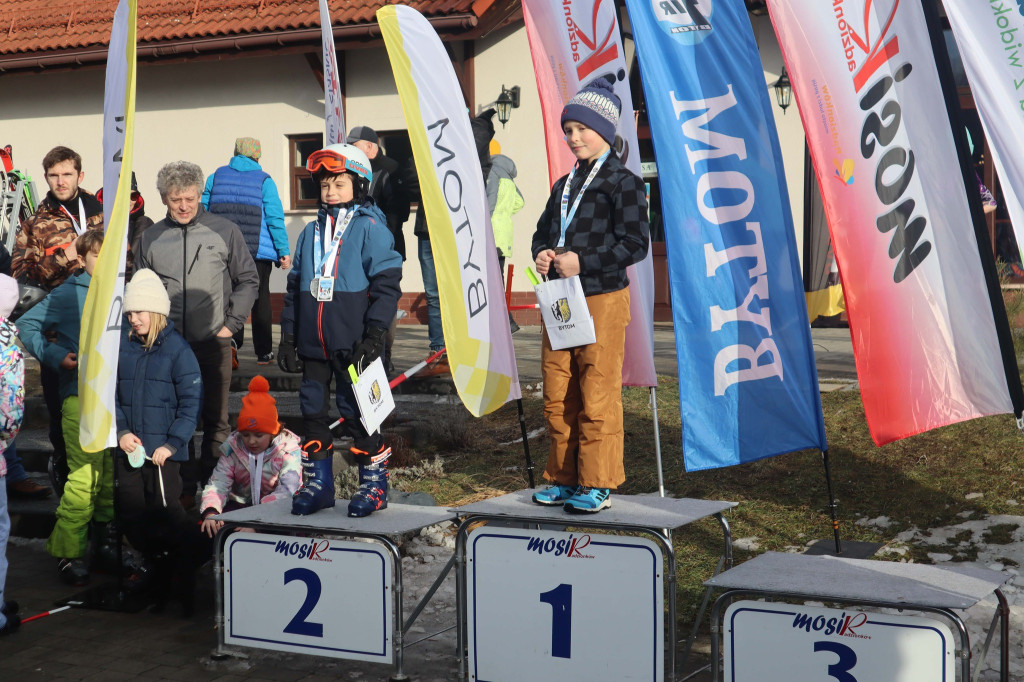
[(48, 613)]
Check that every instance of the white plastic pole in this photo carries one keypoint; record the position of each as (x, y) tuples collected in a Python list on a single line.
[(657, 440)]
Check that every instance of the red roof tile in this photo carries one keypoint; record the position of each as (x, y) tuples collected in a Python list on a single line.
[(45, 25)]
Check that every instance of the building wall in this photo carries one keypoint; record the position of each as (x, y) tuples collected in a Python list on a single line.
[(503, 58), (185, 110), (195, 110), (791, 131)]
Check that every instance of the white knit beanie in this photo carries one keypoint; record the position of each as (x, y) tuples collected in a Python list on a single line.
[(146, 293)]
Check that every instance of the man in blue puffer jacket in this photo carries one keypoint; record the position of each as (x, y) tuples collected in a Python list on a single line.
[(244, 194)]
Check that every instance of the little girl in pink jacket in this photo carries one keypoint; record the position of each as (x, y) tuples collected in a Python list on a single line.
[(259, 445)]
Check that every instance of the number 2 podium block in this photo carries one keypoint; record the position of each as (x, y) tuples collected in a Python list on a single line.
[(309, 595)]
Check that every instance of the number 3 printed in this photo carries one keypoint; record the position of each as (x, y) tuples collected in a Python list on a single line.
[(847, 659), (298, 625)]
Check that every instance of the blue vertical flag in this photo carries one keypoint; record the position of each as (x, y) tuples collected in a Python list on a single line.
[(747, 380)]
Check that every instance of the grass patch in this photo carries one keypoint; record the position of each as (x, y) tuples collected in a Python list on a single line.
[(1000, 534), (919, 482)]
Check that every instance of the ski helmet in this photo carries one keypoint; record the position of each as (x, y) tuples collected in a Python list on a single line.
[(338, 158)]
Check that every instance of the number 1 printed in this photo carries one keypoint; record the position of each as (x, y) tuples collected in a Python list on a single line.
[(560, 600)]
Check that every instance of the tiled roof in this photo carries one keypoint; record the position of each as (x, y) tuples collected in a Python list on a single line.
[(30, 26)]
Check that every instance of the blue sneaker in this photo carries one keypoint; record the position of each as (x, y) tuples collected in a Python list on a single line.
[(556, 494), (589, 500)]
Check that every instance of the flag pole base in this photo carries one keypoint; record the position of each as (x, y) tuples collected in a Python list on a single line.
[(851, 549)]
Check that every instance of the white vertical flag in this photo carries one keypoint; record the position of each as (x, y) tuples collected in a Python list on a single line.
[(332, 84), (473, 311), (100, 337), (991, 44)]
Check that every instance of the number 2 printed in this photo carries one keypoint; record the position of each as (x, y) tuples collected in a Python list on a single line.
[(298, 625), (560, 600)]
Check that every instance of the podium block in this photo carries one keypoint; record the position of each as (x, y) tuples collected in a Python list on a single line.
[(555, 604), (766, 642), (548, 594), (298, 594), (296, 582)]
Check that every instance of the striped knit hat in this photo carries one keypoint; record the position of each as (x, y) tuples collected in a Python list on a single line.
[(248, 146), (596, 106)]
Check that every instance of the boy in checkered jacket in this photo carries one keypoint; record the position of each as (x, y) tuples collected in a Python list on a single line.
[(594, 226)]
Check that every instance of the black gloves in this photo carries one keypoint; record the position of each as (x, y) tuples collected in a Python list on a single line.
[(369, 349), (287, 359)]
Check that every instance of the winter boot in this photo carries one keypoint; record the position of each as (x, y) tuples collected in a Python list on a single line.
[(317, 491), (105, 539), (373, 482)]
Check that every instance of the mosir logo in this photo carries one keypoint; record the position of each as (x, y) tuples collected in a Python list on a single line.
[(840, 626), (686, 20), (374, 393), (571, 547), (314, 550), (878, 69), (599, 47)]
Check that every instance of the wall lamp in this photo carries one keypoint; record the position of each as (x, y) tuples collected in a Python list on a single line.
[(783, 91), (506, 102)]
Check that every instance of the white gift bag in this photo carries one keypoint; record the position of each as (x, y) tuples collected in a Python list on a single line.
[(373, 395), (563, 307)]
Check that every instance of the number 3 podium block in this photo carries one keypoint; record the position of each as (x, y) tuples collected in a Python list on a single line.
[(570, 605), (775, 642)]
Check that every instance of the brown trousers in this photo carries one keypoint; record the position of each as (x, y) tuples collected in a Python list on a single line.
[(583, 400)]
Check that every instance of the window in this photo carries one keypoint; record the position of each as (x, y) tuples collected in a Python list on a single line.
[(304, 191)]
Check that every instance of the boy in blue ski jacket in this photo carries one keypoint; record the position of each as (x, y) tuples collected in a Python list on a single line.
[(342, 294), (87, 505)]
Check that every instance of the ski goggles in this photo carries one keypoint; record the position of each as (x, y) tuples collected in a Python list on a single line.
[(334, 163)]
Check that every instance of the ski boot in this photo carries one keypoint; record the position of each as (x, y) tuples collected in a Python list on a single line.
[(317, 490), (105, 539), (373, 482)]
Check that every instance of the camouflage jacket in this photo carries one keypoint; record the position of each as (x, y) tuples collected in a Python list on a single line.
[(39, 250)]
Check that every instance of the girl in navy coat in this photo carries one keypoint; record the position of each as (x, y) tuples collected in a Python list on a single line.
[(159, 391)]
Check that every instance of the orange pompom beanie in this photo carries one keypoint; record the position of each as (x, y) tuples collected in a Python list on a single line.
[(259, 409)]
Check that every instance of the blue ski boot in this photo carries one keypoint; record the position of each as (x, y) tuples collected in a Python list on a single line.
[(317, 491), (373, 483)]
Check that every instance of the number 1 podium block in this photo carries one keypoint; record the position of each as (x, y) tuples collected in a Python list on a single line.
[(537, 601)]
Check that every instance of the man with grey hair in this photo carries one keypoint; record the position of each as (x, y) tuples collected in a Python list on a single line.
[(222, 283)]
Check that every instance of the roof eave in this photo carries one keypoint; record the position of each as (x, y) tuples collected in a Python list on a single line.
[(351, 35)]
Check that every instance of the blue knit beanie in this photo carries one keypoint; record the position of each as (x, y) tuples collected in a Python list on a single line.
[(596, 106)]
